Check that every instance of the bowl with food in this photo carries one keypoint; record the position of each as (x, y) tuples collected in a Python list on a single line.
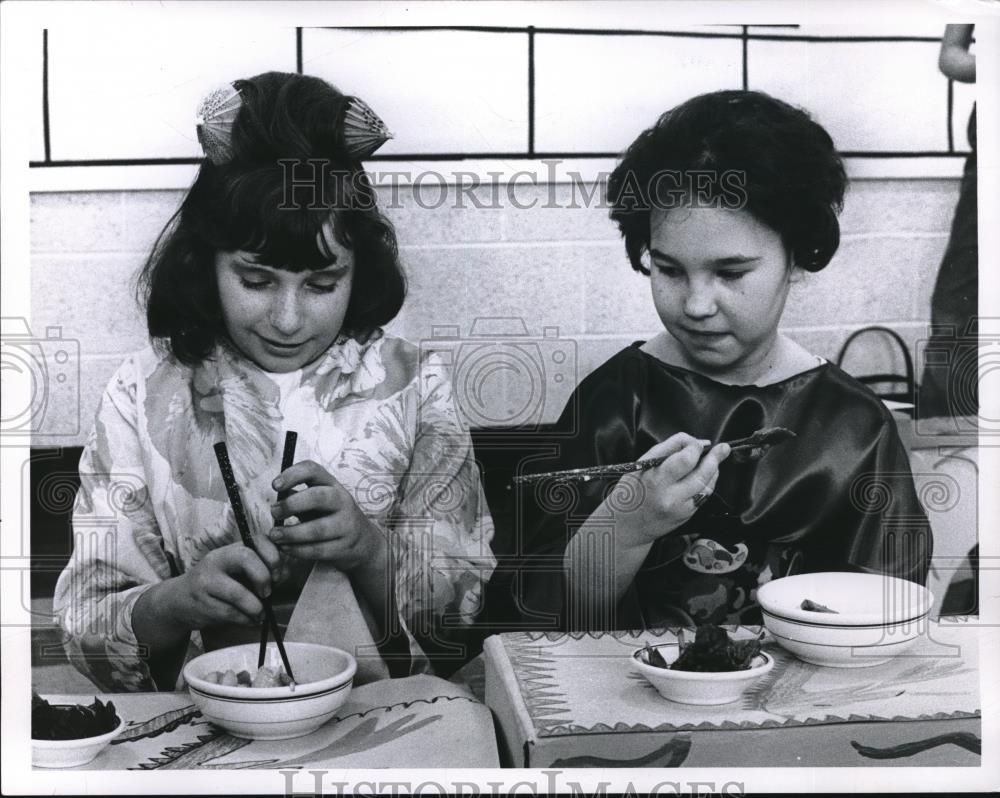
[(264, 703), (845, 620), (70, 735), (714, 668)]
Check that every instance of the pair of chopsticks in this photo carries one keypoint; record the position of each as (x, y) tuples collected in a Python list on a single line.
[(229, 479), (287, 458), (767, 437)]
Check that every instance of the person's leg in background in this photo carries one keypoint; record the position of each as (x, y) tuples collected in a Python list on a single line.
[(949, 385)]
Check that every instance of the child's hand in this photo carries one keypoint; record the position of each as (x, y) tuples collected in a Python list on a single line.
[(332, 526), (673, 491), (223, 587)]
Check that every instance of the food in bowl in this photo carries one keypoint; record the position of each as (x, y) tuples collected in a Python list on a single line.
[(713, 651), (702, 687), (265, 676), (71, 721), (324, 677), (70, 735), (878, 617), (814, 606)]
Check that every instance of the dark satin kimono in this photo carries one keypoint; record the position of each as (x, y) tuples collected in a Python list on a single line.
[(837, 497)]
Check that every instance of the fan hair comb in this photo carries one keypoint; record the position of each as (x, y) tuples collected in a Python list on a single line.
[(214, 123), (361, 130)]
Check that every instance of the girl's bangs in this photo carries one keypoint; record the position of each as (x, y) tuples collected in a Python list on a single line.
[(283, 227)]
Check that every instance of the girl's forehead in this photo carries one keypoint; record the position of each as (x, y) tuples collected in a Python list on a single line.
[(699, 235), (694, 221)]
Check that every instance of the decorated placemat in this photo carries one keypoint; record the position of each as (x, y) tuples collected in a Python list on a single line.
[(552, 689), (420, 721)]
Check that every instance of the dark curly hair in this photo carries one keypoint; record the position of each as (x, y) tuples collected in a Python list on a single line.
[(771, 157), (243, 204)]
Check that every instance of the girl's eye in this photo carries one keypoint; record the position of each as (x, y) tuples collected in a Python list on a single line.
[(324, 288), (672, 272), (731, 277), (254, 285)]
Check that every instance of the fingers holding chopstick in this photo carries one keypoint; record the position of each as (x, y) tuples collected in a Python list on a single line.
[(671, 489), (321, 495), (226, 586), (674, 445), (690, 469), (331, 527), (269, 555), (700, 482), (681, 453)]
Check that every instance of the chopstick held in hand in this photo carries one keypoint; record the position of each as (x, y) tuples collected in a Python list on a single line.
[(236, 502), (287, 458), (759, 442)]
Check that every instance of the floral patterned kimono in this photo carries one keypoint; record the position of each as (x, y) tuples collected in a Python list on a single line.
[(377, 415)]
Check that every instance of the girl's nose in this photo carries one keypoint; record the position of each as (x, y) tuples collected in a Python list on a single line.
[(286, 316), (700, 300)]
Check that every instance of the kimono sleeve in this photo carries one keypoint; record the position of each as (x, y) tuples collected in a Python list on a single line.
[(597, 426), (441, 527), (882, 527), (118, 551)]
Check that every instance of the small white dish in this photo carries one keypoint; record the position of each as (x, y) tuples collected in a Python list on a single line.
[(71, 753), (877, 617), (704, 689), (325, 675)]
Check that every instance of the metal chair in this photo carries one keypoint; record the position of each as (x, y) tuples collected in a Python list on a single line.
[(886, 385)]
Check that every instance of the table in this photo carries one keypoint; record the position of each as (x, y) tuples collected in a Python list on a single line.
[(573, 700), (419, 721)]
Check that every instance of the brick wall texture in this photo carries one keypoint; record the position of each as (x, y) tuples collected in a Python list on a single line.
[(559, 267)]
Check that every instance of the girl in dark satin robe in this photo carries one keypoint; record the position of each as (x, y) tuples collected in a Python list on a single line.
[(724, 203)]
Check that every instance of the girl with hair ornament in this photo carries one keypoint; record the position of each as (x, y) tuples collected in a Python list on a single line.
[(266, 309)]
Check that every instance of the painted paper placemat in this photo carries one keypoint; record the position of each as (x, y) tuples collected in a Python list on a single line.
[(420, 721), (555, 689)]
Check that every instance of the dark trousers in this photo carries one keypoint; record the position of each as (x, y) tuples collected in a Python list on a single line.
[(950, 383)]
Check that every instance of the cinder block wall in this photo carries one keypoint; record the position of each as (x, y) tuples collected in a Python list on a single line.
[(556, 267)]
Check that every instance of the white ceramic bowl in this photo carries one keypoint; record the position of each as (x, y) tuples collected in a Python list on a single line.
[(691, 687), (71, 753), (325, 676), (878, 617)]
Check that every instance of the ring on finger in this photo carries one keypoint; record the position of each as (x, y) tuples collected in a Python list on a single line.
[(700, 498)]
